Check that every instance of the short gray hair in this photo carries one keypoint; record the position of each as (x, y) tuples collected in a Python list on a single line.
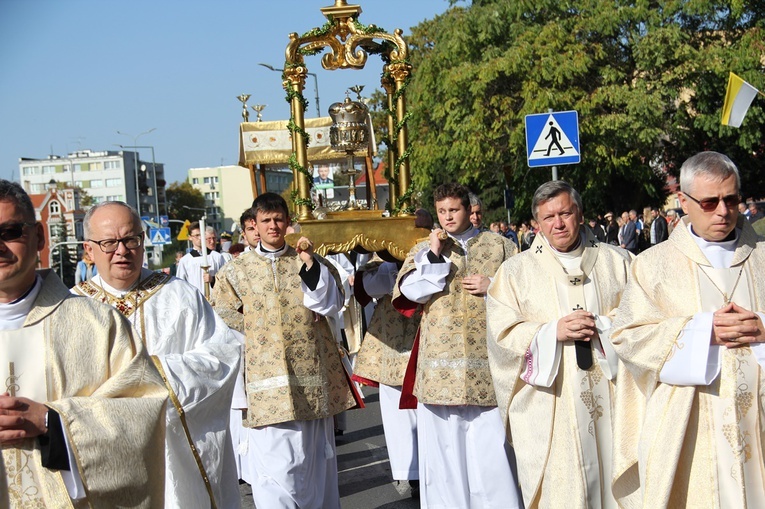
[(550, 190), (92, 210), (210, 229), (14, 193), (475, 200), (713, 165)]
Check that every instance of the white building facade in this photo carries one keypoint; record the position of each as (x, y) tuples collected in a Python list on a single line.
[(103, 176), (228, 192)]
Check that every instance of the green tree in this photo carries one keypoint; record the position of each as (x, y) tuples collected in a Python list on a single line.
[(647, 79), (180, 194)]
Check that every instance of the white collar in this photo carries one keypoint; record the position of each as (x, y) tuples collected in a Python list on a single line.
[(272, 255), (719, 254), (98, 281), (463, 237), (13, 314), (574, 253)]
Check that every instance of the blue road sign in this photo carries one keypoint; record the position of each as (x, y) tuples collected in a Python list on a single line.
[(552, 139), (160, 236), (164, 221)]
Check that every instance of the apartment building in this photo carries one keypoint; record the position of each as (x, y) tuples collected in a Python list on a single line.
[(228, 191), (102, 175)]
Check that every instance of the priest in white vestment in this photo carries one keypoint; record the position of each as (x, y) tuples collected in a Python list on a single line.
[(689, 429), (549, 313), (82, 406), (194, 350)]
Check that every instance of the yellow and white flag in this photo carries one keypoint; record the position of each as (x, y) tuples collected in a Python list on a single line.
[(738, 98)]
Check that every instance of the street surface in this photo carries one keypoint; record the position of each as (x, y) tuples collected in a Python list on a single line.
[(362, 462)]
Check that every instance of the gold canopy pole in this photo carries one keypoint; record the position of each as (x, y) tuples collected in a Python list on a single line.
[(295, 80), (389, 86), (400, 71)]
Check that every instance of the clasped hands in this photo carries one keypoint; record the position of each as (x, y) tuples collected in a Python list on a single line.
[(20, 418), (577, 326), (734, 326)]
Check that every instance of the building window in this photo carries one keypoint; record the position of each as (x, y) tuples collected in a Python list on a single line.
[(195, 181), (111, 165), (29, 170), (48, 170), (207, 180), (113, 182), (97, 183), (95, 166), (116, 197), (78, 167), (54, 207), (215, 180)]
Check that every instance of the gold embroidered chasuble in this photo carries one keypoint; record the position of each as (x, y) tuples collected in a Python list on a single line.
[(687, 446), (198, 358), (387, 344), (557, 432), (293, 370), (452, 363), (106, 391)]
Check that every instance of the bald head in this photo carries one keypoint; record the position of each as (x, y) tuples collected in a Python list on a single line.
[(119, 266)]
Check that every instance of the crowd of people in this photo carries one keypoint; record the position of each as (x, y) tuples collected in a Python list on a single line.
[(559, 362)]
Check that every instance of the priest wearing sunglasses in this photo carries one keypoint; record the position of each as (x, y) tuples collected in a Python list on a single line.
[(81, 406), (688, 429)]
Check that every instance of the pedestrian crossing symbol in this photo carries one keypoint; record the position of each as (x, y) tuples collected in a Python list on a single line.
[(552, 139), (159, 236)]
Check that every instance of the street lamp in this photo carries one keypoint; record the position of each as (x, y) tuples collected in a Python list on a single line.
[(135, 165), (154, 171), (315, 83)]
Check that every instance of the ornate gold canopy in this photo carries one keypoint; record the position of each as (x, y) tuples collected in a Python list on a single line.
[(347, 44)]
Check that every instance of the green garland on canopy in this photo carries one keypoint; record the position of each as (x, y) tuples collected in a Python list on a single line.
[(391, 144), (384, 51)]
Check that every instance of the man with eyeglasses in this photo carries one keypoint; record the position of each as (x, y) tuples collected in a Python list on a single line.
[(190, 267), (193, 349), (688, 430), (82, 405)]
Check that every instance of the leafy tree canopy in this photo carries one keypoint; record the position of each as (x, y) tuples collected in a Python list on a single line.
[(179, 194), (647, 78)]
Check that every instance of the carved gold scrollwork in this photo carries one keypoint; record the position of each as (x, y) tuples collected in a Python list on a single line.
[(344, 42), (369, 244)]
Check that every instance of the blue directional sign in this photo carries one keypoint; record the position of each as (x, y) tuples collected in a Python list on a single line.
[(160, 236), (552, 139)]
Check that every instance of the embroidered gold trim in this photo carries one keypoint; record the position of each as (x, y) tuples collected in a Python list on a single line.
[(285, 381), (132, 300), (182, 415)]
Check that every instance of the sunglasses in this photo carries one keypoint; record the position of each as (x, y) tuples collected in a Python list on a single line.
[(13, 231), (710, 204)]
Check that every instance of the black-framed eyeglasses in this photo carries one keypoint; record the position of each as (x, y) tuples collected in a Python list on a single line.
[(13, 231), (111, 245), (710, 204)]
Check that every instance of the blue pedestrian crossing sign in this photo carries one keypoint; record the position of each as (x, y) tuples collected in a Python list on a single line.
[(552, 139), (160, 236)]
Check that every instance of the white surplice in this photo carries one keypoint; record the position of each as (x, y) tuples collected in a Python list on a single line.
[(199, 355), (190, 268), (294, 464)]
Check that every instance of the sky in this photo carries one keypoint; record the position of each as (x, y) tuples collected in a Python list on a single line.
[(74, 72)]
